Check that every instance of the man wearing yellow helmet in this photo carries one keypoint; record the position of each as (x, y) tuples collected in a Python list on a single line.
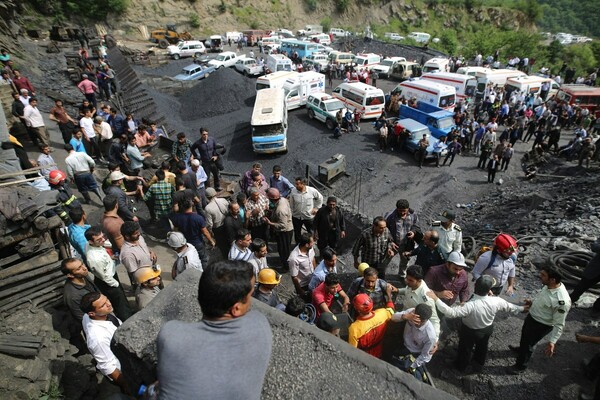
[(265, 291), (148, 279)]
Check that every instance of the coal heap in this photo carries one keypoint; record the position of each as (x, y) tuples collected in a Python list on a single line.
[(211, 96)]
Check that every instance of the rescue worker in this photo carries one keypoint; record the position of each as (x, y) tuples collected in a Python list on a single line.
[(66, 198), (450, 234), (148, 279), (367, 332), (499, 264), (265, 291), (547, 315)]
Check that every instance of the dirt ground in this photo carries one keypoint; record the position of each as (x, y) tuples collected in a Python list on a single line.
[(373, 182)]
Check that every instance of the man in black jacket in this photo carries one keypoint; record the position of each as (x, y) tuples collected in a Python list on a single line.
[(205, 149), (329, 225)]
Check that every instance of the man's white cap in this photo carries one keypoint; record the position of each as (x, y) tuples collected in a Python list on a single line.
[(457, 258), (176, 239)]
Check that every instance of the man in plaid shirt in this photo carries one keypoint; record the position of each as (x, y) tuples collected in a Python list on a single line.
[(373, 245), (159, 197)]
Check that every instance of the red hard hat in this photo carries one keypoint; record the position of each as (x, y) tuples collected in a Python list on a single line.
[(505, 243), (56, 176), (362, 303)]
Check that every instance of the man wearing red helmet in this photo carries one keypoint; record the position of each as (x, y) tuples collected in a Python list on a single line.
[(66, 198), (367, 332), (499, 264)]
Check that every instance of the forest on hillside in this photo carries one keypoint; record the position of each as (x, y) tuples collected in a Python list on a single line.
[(576, 17)]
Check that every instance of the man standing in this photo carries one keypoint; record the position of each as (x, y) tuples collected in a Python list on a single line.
[(233, 221), (80, 169), (216, 210), (302, 264), (374, 245), (197, 357), (240, 249), (205, 149), (547, 315), (187, 256), (326, 266), (422, 151), (329, 225), (194, 228), (135, 253), (78, 284), (65, 123), (403, 223), (99, 325), (181, 149), (22, 82), (159, 197), (201, 179), (419, 335), (450, 234), (111, 222), (256, 208), (305, 201), (45, 160), (280, 221), (477, 322), (280, 182), (499, 264), (148, 280), (104, 269), (123, 210), (368, 331), (87, 125), (88, 89), (415, 293), (428, 253), (377, 289), (449, 280), (35, 122)]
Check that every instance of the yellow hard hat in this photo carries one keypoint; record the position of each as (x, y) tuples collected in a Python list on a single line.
[(268, 276), (144, 274), (362, 267)]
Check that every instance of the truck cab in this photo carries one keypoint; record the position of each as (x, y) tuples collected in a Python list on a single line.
[(439, 121)]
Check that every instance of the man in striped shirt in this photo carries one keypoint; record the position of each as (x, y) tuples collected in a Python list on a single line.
[(240, 249)]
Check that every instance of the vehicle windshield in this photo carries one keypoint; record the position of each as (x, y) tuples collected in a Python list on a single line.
[(260, 86), (446, 123), (447, 101), (387, 63), (221, 57), (375, 100), (267, 130), (334, 105), (430, 69)]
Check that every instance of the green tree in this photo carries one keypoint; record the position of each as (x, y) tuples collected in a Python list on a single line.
[(326, 24), (532, 10), (581, 57), (449, 41)]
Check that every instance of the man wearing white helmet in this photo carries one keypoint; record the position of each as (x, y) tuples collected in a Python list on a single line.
[(187, 256)]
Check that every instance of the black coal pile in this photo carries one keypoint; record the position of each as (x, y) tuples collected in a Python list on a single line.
[(359, 45), (211, 96), (172, 68)]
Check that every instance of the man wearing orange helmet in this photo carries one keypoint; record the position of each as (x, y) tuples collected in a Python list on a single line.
[(367, 332), (66, 198), (499, 264)]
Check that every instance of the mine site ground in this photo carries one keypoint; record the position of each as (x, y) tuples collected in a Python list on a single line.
[(372, 183)]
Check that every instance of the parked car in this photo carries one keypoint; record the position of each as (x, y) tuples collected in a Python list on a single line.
[(317, 58), (248, 67), (194, 72), (190, 48), (225, 59), (324, 107)]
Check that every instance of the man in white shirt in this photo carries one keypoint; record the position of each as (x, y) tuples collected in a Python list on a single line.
[(105, 135), (35, 121), (24, 97), (415, 293), (99, 326), (419, 334), (305, 201), (302, 265), (104, 268), (477, 321), (187, 256), (46, 161), (240, 249), (80, 169)]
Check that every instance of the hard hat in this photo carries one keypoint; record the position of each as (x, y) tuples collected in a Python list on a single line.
[(505, 244), (144, 274), (483, 284), (362, 267), (116, 176), (176, 239), (457, 258), (267, 276), (56, 176), (362, 303)]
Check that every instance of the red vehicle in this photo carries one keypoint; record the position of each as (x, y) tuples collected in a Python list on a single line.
[(254, 35), (582, 96)]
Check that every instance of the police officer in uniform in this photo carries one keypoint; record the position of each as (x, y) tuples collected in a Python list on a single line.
[(547, 314), (450, 234)]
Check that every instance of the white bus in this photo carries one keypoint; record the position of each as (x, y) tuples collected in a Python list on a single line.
[(429, 92), (269, 122), (274, 80), (465, 85), (367, 99)]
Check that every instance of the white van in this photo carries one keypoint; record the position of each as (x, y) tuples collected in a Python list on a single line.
[(367, 99), (340, 57), (322, 38), (471, 71), (436, 64), (530, 84), (274, 80), (429, 92), (337, 32), (271, 42), (367, 61), (269, 122), (298, 88), (419, 37), (465, 85), (497, 77), (278, 62)]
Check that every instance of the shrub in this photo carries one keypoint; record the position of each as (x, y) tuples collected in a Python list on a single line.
[(342, 5), (326, 24), (312, 4), (194, 20), (222, 7)]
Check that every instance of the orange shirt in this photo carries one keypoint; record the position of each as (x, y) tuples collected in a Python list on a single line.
[(367, 334)]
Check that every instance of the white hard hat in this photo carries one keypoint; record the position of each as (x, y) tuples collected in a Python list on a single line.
[(176, 239)]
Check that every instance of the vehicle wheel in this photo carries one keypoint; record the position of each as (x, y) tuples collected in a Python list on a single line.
[(163, 43), (206, 75), (176, 56), (330, 124), (311, 113), (245, 73)]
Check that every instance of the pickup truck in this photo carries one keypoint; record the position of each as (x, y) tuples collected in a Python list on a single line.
[(225, 59), (439, 121), (385, 66), (415, 132), (248, 67)]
